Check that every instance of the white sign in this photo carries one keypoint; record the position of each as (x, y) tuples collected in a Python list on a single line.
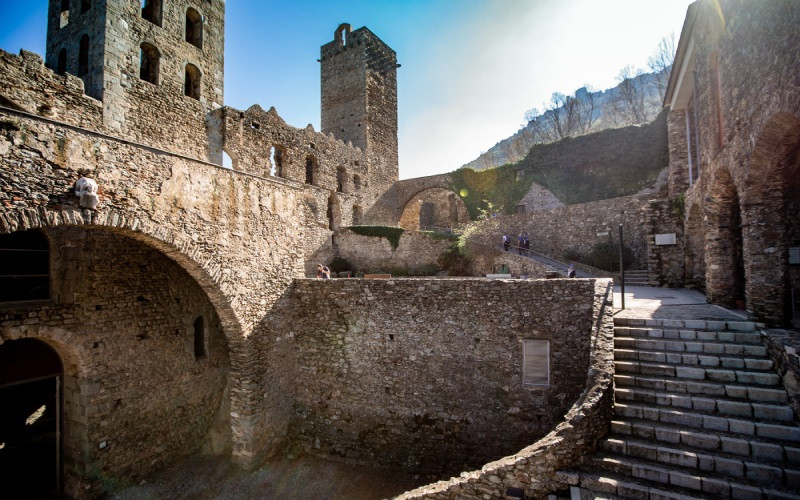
[(665, 239), (794, 255)]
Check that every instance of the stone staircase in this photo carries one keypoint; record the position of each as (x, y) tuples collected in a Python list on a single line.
[(699, 413), (637, 277)]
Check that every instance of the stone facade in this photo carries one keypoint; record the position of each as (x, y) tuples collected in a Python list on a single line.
[(734, 121), (427, 375)]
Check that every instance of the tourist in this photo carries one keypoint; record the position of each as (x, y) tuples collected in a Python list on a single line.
[(506, 242), (323, 272), (520, 243), (571, 271), (526, 244)]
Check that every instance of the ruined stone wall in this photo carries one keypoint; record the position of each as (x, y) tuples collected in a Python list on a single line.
[(746, 94), (27, 85), (434, 209), (414, 251), (139, 397), (425, 374), (574, 227)]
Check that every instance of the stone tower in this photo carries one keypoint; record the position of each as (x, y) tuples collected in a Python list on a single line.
[(157, 65), (359, 93)]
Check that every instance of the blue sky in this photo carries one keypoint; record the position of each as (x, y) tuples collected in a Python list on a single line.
[(470, 68)]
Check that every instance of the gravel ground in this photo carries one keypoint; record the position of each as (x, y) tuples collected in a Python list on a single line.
[(306, 477)]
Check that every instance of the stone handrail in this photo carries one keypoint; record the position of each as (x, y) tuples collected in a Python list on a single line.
[(534, 468)]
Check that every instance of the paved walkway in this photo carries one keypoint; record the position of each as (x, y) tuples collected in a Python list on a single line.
[(669, 303)]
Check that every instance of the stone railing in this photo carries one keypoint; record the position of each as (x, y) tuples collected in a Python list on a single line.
[(534, 468)]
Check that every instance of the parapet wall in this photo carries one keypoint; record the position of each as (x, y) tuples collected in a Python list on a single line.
[(425, 374)]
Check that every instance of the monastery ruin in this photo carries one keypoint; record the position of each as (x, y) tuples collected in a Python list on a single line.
[(151, 309)]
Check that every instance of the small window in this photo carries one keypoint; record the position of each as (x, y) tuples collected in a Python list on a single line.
[(276, 161), (357, 215), (62, 62), (148, 63), (151, 10), (63, 19), (194, 28), (535, 363), (24, 266), (85, 6), (83, 56), (191, 86), (356, 182), (199, 338), (341, 175), (311, 167)]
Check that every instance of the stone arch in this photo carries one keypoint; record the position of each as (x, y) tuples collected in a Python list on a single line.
[(192, 80), (149, 62), (771, 213), (434, 208), (694, 255), (72, 438), (725, 272), (190, 257)]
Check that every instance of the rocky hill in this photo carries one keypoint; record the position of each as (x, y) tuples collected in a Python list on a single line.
[(609, 109)]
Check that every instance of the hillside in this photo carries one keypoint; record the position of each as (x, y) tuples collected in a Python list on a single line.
[(605, 115), (600, 165)]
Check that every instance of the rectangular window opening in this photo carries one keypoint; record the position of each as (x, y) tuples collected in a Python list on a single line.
[(535, 363)]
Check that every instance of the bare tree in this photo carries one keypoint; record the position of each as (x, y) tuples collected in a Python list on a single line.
[(628, 103), (661, 60)]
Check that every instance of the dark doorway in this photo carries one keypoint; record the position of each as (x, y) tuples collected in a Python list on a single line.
[(30, 427)]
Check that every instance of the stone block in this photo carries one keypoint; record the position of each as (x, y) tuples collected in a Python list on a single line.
[(620, 427), (741, 426), (683, 480), (792, 454), (718, 375), (768, 395), (700, 440), (754, 350), (735, 446), (734, 363), (741, 326), (696, 347), (764, 474), (641, 450), (716, 348), (690, 372), (726, 336), (677, 457), (729, 466), (632, 490), (667, 435), (781, 432), (697, 324), (737, 408), (767, 451), (704, 404), (758, 364), (792, 478), (773, 412), (757, 378), (736, 391), (672, 323), (705, 462), (716, 487), (613, 445), (715, 325), (732, 349), (707, 336), (650, 473), (745, 492)]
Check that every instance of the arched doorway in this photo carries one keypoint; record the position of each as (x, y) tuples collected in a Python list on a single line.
[(725, 276), (30, 417)]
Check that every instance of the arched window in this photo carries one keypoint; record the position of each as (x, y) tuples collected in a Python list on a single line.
[(341, 176), (311, 167), (148, 63), (24, 266), (227, 161), (199, 338), (191, 86), (62, 62), (194, 28), (151, 10), (63, 19), (276, 154), (83, 56), (85, 6), (356, 182)]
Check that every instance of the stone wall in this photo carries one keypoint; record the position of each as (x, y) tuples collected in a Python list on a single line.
[(534, 469), (574, 227), (426, 375), (136, 395), (665, 262), (414, 251)]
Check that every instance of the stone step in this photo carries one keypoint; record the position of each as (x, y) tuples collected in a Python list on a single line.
[(732, 458), (711, 441), (678, 358), (715, 336), (717, 406), (751, 393), (690, 324), (610, 484), (691, 372), (691, 346), (784, 431)]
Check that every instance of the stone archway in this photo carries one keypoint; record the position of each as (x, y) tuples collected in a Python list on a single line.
[(31, 395), (108, 306), (432, 209), (771, 213), (725, 271)]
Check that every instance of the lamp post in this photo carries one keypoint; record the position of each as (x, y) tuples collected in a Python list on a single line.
[(621, 267)]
